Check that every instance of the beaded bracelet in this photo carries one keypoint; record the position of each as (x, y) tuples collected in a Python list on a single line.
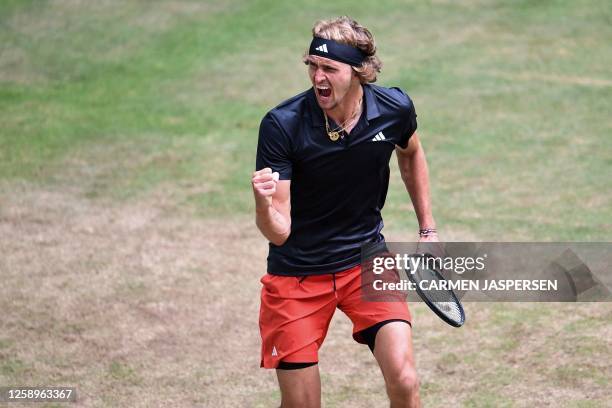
[(424, 232)]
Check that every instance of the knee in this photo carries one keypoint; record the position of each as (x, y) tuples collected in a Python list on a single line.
[(300, 401), (404, 383)]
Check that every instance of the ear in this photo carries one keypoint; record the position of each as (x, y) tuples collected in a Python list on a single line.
[(354, 75)]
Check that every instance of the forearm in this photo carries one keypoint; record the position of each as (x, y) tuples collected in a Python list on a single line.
[(415, 175), (275, 226)]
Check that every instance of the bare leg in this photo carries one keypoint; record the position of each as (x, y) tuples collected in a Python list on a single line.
[(393, 351), (300, 388)]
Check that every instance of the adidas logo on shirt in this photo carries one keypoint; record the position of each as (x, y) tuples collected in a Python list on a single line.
[(274, 353), (379, 136), (322, 48)]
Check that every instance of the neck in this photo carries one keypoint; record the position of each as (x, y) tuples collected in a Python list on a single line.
[(341, 112)]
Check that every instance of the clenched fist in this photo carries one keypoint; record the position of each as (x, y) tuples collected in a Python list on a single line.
[(264, 186)]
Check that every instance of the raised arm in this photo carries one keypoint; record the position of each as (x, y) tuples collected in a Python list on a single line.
[(272, 205)]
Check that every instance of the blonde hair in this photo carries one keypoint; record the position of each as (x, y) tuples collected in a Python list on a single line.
[(347, 31)]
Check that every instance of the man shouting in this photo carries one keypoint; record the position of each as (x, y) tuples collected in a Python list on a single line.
[(321, 182)]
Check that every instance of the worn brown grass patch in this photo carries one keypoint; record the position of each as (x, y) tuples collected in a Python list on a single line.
[(142, 304)]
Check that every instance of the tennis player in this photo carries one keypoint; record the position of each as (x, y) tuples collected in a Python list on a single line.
[(322, 172)]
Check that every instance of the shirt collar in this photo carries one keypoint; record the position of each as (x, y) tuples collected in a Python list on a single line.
[(316, 113)]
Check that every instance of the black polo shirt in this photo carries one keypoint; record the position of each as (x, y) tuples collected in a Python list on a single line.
[(338, 189)]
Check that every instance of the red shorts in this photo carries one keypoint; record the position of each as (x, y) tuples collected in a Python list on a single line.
[(296, 311)]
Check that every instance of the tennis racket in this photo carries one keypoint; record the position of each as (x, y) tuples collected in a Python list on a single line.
[(441, 301)]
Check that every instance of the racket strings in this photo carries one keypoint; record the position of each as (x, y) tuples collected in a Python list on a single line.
[(432, 287)]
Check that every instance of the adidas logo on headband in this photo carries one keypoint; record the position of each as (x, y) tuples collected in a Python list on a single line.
[(337, 51)]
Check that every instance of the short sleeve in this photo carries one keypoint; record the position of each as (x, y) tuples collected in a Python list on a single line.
[(408, 119), (273, 149)]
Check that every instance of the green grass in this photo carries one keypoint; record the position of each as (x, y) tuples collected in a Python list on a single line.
[(513, 102), (123, 373)]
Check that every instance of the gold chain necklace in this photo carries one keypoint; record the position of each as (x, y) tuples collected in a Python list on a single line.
[(334, 135)]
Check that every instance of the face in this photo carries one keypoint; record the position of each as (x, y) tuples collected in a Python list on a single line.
[(331, 80)]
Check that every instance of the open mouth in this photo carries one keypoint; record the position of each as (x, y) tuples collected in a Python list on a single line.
[(324, 91)]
